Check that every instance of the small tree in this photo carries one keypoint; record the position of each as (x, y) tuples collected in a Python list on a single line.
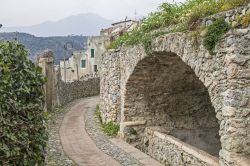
[(23, 133)]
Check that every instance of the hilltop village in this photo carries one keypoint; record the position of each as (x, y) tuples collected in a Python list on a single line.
[(86, 62), (167, 103), (171, 89)]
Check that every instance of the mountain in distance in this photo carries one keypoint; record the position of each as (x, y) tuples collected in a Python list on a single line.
[(86, 24), (36, 45)]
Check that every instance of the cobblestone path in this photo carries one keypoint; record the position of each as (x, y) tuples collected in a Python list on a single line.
[(55, 153), (75, 140)]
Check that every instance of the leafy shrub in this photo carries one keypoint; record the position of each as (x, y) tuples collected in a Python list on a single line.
[(175, 17), (214, 32), (23, 133), (110, 128)]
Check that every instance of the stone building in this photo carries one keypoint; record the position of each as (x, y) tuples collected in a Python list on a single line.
[(96, 46), (183, 105), (87, 62), (74, 67), (119, 28)]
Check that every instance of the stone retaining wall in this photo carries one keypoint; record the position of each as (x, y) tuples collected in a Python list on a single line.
[(59, 93), (231, 17), (69, 91), (175, 151), (152, 90)]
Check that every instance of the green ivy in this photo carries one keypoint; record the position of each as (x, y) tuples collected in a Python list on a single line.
[(214, 33), (23, 133)]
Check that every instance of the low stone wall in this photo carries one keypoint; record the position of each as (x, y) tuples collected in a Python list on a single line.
[(69, 91), (171, 151), (59, 93)]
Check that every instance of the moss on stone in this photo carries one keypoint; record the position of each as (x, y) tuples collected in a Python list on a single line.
[(246, 19), (214, 33)]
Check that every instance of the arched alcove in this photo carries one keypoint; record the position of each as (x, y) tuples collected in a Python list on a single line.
[(168, 103), (163, 94)]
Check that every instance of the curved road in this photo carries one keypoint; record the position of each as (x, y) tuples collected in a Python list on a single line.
[(75, 140)]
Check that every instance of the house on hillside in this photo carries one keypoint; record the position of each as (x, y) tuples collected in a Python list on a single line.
[(87, 62), (96, 46), (119, 28), (83, 63), (74, 67)]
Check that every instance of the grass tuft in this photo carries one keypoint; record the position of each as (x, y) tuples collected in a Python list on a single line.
[(110, 128), (175, 17)]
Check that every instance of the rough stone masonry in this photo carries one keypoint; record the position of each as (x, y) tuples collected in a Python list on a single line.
[(59, 93), (182, 105)]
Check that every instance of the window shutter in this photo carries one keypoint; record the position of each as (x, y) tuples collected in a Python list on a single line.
[(83, 63), (92, 53)]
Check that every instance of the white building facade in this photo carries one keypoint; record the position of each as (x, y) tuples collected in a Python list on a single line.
[(87, 62)]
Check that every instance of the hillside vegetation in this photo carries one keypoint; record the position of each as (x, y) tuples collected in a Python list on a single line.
[(36, 45), (177, 17)]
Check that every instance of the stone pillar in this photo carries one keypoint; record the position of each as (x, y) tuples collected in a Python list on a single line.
[(110, 87), (46, 62), (56, 88), (235, 126)]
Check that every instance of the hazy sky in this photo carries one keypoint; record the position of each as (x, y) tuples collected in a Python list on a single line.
[(30, 12)]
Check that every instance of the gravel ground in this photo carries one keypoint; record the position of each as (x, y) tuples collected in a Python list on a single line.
[(93, 128), (55, 154)]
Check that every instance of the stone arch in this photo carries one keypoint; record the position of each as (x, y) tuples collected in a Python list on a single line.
[(164, 94), (211, 74)]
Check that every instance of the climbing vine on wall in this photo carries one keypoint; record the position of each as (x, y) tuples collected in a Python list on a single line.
[(23, 133)]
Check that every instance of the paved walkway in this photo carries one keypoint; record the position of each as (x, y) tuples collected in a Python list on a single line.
[(76, 142), (121, 151)]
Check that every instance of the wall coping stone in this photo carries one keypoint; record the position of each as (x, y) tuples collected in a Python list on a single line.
[(200, 154), (135, 123)]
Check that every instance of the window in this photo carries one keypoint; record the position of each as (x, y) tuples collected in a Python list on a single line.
[(95, 68), (92, 53), (83, 63)]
